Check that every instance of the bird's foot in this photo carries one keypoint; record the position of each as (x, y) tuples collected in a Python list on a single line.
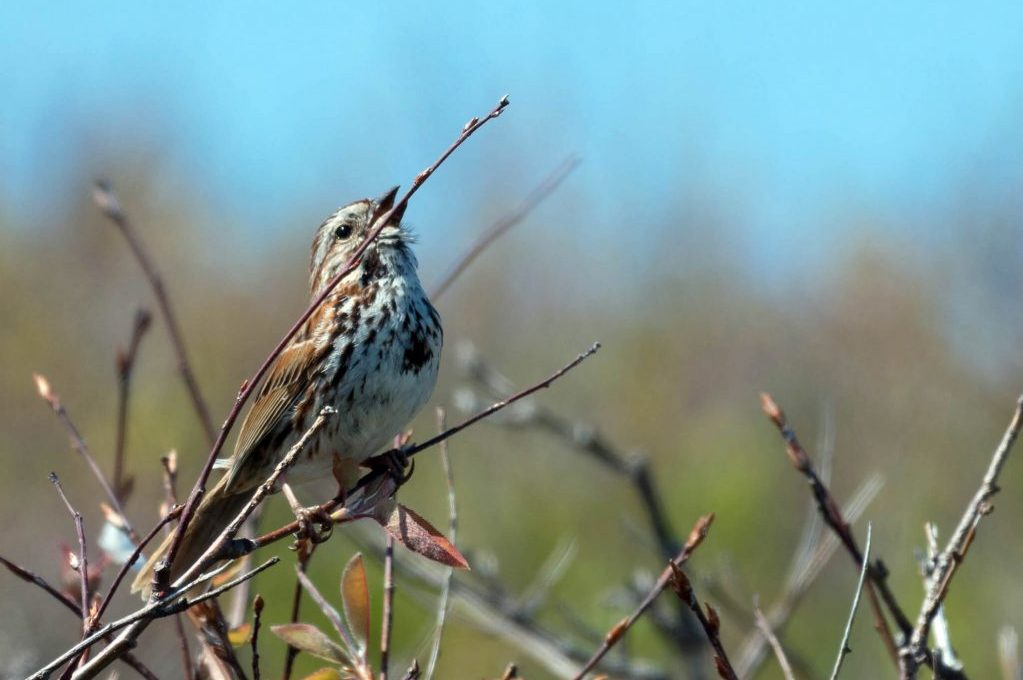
[(314, 523), (395, 463)]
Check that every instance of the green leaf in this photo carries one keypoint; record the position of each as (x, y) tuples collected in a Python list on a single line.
[(311, 640), (355, 598)]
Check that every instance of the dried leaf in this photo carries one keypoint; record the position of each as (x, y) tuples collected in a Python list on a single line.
[(311, 640), (355, 598), (240, 635), (325, 674), (419, 536)]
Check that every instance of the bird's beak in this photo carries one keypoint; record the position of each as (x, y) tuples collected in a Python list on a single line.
[(385, 203)]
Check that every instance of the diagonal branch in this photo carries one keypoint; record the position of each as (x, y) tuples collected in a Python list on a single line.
[(667, 576), (832, 516), (125, 366), (163, 573), (106, 200), (498, 228), (947, 563), (843, 648), (79, 445)]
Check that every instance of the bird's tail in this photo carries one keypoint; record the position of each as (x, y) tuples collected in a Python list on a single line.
[(212, 516)]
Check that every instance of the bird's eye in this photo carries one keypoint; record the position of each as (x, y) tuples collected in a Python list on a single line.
[(343, 231)]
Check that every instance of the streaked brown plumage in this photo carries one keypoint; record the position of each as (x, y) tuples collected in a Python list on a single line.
[(371, 351)]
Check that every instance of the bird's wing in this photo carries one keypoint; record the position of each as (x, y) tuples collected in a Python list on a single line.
[(285, 383)]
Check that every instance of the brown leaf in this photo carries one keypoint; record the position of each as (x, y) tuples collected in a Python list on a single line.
[(312, 640), (419, 536), (355, 598)]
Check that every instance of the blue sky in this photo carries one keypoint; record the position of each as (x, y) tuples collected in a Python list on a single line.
[(788, 112)]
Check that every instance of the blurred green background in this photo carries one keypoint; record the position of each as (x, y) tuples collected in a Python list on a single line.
[(822, 204)]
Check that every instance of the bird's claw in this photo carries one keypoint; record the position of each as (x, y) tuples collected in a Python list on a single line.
[(394, 464), (314, 523)]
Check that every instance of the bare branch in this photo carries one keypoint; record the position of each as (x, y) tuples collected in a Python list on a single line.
[(832, 516), (250, 385), (388, 617), (82, 565), (947, 563), (105, 199), (843, 648), (708, 620), (696, 537), (79, 445), (445, 592), (257, 612), (125, 366), (33, 578), (779, 652), (498, 228)]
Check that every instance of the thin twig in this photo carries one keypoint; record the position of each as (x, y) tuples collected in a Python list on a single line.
[(248, 545), (832, 516), (709, 620), (188, 670), (79, 445), (586, 439), (779, 652), (498, 228), (947, 563), (82, 567), (105, 199), (130, 562), (491, 610), (136, 622), (696, 536), (126, 639), (843, 648), (264, 489), (125, 366), (304, 551), (257, 612), (803, 574), (388, 616), (163, 574), (445, 592), (33, 578)]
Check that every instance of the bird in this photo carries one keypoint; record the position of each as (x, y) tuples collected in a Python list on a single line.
[(370, 352)]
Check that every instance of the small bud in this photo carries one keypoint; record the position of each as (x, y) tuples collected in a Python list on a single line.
[(615, 634), (43, 386), (713, 620)]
